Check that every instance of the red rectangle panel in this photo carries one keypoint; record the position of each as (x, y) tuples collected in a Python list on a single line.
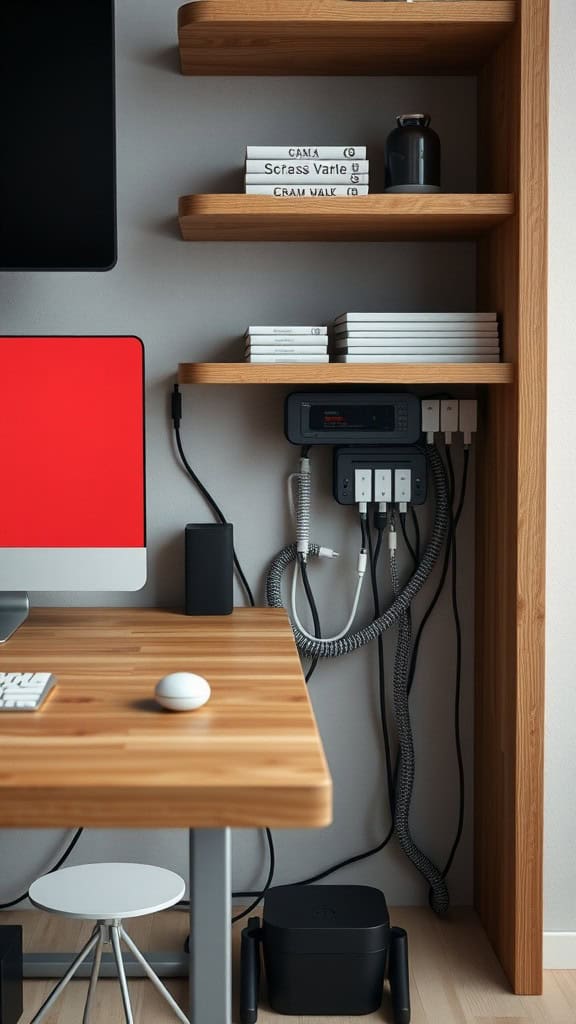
[(71, 442)]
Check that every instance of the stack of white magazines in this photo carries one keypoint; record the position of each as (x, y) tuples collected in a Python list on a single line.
[(292, 172), (416, 338), (286, 345)]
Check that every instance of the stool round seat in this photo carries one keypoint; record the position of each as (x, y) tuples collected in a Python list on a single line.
[(106, 892)]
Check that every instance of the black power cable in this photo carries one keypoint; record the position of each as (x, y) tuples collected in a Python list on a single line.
[(374, 557), (416, 528), (57, 866), (176, 414), (411, 550), (314, 611), (259, 896), (458, 685)]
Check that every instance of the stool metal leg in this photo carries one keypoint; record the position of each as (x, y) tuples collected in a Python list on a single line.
[(84, 952), (94, 974), (153, 977), (115, 937)]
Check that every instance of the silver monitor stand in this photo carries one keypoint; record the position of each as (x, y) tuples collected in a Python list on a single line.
[(14, 608)]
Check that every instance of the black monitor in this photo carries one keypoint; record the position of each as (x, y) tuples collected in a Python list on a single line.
[(57, 135)]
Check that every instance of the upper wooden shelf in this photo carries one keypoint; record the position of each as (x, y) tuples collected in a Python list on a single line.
[(373, 218), (340, 37), (343, 373)]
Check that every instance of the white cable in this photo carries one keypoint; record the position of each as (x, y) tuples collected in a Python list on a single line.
[(362, 562), (291, 505)]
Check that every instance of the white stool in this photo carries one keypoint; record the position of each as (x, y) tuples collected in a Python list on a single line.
[(107, 893)]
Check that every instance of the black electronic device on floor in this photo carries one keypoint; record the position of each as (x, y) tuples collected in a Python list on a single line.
[(328, 950), (10, 973)]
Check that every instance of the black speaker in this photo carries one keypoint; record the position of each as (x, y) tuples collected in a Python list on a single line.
[(209, 569), (327, 951), (10, 974)]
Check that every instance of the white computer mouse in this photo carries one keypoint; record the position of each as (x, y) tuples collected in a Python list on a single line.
[(182, 691)]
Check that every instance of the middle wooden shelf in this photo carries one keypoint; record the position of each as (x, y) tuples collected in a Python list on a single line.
[(372, 218), (346, 373)]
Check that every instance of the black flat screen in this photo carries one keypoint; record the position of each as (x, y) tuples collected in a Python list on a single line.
[(57, 131)]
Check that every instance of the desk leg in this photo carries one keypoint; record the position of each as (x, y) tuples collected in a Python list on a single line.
[(210, 927)]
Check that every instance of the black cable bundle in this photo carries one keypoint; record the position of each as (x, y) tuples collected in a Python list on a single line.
[(406, 660)]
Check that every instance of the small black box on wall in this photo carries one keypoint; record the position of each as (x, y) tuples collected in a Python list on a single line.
[(10, 974), (209, 569)]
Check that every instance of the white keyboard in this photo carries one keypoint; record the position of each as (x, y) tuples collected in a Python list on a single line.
[(24, 691)]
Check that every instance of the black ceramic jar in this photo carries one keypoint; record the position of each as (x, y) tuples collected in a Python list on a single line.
[(413, 156)]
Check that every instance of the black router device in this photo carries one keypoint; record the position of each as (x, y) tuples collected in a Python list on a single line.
[(209, 569), (315, 417), (328, 950)]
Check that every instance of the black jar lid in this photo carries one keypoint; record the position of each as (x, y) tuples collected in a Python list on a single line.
[(404, 120)]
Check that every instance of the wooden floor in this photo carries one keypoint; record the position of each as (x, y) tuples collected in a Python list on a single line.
[(455, 976)]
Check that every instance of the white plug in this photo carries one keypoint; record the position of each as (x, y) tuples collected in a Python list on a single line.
[(402, 488), (362, 486), (383, 486), (448, 418), (430, 418), (328, 553), (468, 419)]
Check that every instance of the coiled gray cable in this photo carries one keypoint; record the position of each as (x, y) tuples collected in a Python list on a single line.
[(439, 895), (303, 513), (401, 604)]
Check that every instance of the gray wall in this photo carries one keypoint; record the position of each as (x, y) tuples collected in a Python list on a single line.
[(178, 135)]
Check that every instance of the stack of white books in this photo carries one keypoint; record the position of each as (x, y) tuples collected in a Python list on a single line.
[(292, 172), (286, 345), (416, 338)]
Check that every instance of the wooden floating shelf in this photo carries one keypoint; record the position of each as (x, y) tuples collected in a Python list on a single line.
[(344, 373), (372, 218), (337, 37)]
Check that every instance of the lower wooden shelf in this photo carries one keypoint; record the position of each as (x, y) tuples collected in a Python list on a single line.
[(343, 373)]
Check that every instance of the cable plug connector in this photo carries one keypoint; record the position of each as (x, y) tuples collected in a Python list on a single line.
[(304, 465), (392, 541), (448, 418), (468, 419), (328, 553), (430, 418), (381, 515), (362, 563), (176, 407)]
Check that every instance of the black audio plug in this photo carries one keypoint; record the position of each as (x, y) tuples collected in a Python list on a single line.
[(176, 407)]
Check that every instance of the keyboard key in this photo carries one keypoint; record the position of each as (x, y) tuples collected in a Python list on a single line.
[(24, 691)]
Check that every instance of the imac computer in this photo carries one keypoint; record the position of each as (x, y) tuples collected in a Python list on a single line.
[(72, 501)]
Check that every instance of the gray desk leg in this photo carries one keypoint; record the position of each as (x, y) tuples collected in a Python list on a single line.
[(210, 928)]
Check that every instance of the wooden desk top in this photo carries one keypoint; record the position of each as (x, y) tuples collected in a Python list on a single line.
[(101, 753)]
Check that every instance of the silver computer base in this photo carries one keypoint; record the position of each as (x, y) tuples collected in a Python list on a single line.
[(14, 608)]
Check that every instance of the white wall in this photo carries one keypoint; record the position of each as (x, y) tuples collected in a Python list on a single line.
[(560, 852), (178, 135)]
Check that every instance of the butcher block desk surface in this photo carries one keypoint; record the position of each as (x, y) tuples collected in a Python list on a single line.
[(102, 753)]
